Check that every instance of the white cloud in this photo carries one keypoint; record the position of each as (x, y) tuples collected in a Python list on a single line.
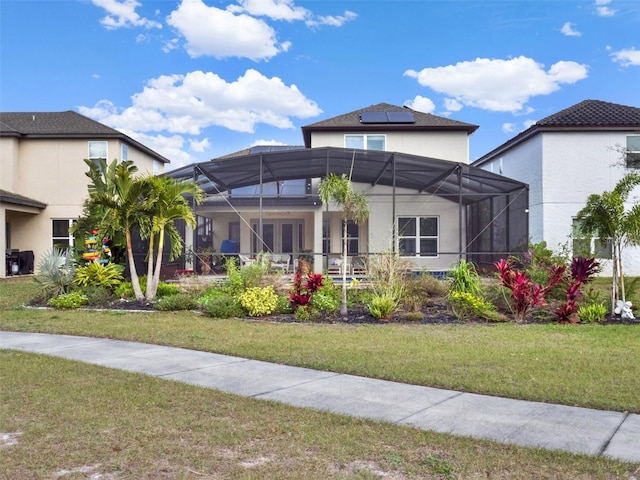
[(508, 127), (122, 14), (274, 9), (498, 85), (210, 31), (187, 104), (171, 147), (627, 57), (603, 10), (199, 145), (421, 104), (333, 20), (452, 105), (266, 142), (568, 30), (529, 123)]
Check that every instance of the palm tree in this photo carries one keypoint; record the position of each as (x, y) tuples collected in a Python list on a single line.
[(338, 188), (604, 215), (167, 204), (123, 200)]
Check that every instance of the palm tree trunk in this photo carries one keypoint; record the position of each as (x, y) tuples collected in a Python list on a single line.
[(343, 309), (154, 280), (621, 273), (150, 262), (135, 282)]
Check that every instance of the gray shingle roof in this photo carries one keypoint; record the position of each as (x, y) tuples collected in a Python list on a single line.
[(67, 124), (57, 124), (588, 115), (350, 122), (594, 113)]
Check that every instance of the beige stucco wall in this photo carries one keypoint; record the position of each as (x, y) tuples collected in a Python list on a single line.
[(445, 145), (51, 172)]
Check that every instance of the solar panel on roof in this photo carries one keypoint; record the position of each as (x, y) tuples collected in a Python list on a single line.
[(386, 117), (400, 117), (373, 117)]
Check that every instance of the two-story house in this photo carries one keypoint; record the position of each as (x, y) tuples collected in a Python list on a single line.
[(582, 150), (42, 178), (426, 201)]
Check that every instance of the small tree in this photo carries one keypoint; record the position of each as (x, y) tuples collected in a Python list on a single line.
[(167, 203), (604, 215), (338, 188)]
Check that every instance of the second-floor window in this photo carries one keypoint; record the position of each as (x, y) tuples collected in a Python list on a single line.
[(365, 142), (633, 151), (125, 152), (97, 151)]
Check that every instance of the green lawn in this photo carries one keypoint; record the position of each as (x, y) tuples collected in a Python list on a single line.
[(68, 416)]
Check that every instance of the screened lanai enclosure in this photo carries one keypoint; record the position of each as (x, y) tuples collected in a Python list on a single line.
[(432, 212)]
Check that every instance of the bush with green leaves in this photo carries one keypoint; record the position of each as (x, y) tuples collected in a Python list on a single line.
[(419, 289), (464, 278), (97, 295), (179, 301), (68, 300), (99, 275), (55, 272), (125, 289), (592, 313), (259, 301), (240, 279), (383, 305), (221, 305), (465, 305)]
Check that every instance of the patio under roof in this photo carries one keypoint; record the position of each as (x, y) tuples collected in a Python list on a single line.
[(451, 180)]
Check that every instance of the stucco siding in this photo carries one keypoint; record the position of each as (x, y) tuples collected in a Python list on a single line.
[(452, 146)]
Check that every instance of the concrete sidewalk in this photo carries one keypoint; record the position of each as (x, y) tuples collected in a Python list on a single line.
[(531, 424)]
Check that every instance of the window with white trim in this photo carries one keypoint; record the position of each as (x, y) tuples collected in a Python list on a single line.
[(365, 142), (633, 151), (124, 152), (97, 151), (60, 233), (418, 236), (589, 247)]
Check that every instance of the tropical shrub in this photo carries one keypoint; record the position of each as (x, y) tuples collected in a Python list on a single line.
[(99, 275), (304, 287), (465, 305), (55, 272), (179, 301), (525, 293), (259, 301), (68, 300), (464, 278), (582, 271), (97, 295), (592, 313), (125, 289), (382, 306), (221, 306)]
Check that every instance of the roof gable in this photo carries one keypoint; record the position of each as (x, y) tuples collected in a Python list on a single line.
[(351, 122)]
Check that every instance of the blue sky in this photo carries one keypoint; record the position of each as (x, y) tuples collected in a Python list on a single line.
[(198, 79)]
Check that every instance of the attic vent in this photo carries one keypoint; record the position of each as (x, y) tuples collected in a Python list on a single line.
[(369, 116)]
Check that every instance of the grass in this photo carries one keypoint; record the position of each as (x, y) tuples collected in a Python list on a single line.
[(72, 420), (588, 365)]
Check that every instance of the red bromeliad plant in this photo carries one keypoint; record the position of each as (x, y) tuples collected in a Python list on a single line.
[(303, 289), (582, 271), (525, 293)]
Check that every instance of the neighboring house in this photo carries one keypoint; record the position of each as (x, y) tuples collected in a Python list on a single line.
[(426, 201), (42, 178), (582, 150)]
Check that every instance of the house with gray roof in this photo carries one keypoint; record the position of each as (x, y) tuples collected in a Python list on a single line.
[(426, 202), (42, 178), (582, 150)]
